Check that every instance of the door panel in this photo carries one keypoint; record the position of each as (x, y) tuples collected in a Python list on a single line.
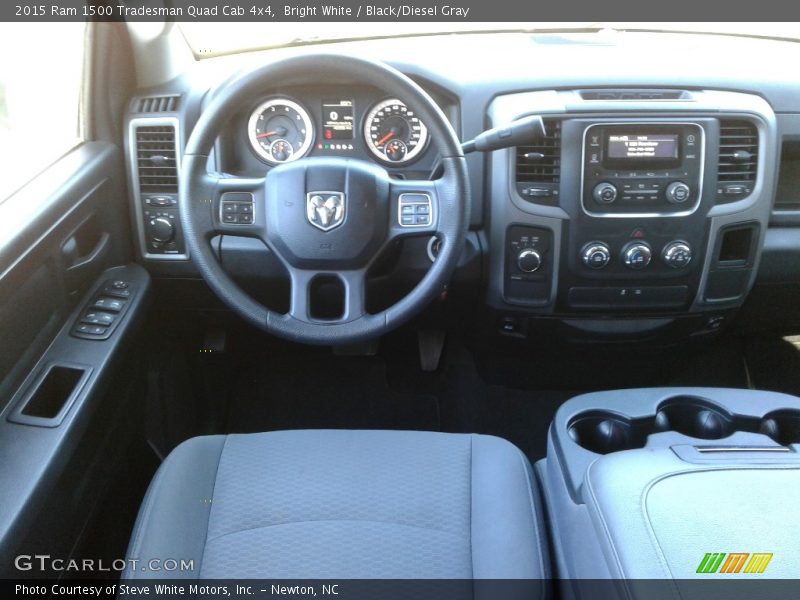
[(52, 259)]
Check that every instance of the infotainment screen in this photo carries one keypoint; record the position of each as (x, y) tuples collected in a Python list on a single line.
[(642, 146)]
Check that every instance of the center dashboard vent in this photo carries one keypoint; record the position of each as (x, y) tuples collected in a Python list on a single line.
[(738, 159), (156, 159), (537, 168)]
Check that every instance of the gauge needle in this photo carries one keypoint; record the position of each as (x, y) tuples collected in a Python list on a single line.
[(385, 138), (263, 135)]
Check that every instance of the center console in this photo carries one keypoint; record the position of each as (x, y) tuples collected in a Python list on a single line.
[(674, 483), (632, 209)]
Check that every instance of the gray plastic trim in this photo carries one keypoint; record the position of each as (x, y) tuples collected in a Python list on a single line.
[(507, 207), (133, 173)]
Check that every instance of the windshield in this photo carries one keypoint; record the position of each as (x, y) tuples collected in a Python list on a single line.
[(209, 39)]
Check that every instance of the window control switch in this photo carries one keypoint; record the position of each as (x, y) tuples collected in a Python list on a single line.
[(109, 304), (98, 318), (110, 291), (91, 330)]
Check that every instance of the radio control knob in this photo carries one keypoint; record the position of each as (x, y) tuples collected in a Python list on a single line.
[(604, 193), (677, 254), (678, 192), (636, 255), (529, 260), (595, 255), (161, 230)]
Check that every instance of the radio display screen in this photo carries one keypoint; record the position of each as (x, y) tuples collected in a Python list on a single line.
[(644, 147)]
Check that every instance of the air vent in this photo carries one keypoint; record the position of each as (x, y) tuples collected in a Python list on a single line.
[(156, 159), (538, 167), (634, 95), (738, 159), (156, 104)]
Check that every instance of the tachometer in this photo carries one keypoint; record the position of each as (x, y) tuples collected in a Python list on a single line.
[(393, 133), (280, 131)]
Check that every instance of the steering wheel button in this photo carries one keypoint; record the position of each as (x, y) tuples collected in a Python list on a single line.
[(245, 219), (228, 208), (407, 220), (229, 218), (245, 208), (423, 209), (407, 209), (423, 220)]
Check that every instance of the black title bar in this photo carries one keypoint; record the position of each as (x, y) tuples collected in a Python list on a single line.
[(401, 10)]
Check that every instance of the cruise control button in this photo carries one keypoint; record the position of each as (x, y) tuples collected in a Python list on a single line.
[(229, 218), (245, 219), (407, 219)]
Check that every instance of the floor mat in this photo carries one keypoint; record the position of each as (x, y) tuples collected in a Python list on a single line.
[(775, 364), (316, 389)]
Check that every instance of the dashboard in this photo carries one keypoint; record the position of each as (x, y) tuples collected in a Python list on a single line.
[(651, 200)]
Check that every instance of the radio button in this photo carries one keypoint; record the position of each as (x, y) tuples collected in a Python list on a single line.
[(604, 193), (636, 255), (595, 255), (678, 192)]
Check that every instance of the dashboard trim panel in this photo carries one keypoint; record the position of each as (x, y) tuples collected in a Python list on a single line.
[(133, 174)]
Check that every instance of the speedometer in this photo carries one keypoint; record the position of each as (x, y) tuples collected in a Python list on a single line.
[(394, 133), (280, 131)]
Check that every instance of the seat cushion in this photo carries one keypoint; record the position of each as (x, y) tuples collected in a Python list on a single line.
[(343, 504)]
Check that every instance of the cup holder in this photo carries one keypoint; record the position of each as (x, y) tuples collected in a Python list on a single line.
[(604, 432), (694, 417), (782, 426)]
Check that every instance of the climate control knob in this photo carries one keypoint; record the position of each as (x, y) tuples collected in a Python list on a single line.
[(677, 254), (636, 255), (161, 230), (595, 255), (604, 193), (529, 260), (678, 192)]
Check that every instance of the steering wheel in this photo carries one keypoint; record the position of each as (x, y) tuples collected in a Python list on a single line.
[(323, 216)]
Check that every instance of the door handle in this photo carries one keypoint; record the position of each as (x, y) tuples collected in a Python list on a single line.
[(75, 262)]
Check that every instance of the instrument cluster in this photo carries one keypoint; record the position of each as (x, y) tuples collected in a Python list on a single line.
[(286, 128)]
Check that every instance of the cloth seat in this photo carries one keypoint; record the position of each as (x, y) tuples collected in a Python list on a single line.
[(343, 504)]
